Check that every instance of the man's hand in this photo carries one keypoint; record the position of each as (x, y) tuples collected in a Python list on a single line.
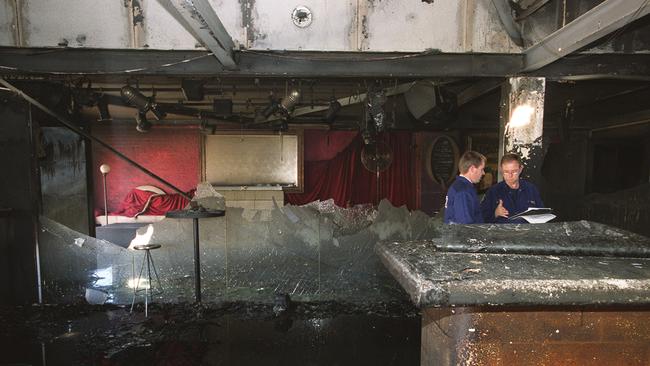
[(500, 210)]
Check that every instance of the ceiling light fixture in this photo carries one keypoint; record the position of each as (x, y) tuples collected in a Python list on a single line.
[(332, 111), (271, 108), (141, 122), (289, 102), (144, 104), (521, 116), (102, 108)]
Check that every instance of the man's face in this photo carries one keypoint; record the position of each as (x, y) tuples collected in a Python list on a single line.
[(476, 173), (511, 171)]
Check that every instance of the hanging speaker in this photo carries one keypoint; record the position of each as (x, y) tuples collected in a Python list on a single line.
[(222, 107), (431, 104), (192, 89)]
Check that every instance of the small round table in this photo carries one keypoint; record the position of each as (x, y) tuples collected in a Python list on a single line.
[(195, 215)]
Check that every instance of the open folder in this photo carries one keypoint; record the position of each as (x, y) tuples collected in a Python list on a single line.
[(535, 215)]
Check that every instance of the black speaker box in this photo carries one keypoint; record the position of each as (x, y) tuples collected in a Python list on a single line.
[(222, 107)]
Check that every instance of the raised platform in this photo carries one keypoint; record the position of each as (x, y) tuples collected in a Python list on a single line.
[(120, 234)]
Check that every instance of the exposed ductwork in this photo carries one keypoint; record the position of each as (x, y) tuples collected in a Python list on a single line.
[(506, 16)]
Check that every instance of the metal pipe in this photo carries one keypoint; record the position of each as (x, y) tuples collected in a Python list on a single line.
[(504, 12), (613, 127), (70, 126), (197, 260), (35, 223), (18, 14), (105, 199)]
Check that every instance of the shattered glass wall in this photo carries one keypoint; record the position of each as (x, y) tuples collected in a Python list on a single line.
[(316, 252), (62, 164)]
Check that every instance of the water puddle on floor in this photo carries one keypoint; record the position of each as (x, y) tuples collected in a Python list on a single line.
[(327, 333)]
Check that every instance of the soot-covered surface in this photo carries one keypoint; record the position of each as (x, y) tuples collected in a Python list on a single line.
[(561, 238), (327, 333), (468, 276)]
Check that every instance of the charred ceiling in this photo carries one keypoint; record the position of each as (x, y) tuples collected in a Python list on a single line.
[(238, 84)]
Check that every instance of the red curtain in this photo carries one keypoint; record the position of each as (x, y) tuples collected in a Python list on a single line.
[(345, 179)]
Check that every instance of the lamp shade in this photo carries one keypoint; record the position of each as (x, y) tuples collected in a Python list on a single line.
[(105, 168)]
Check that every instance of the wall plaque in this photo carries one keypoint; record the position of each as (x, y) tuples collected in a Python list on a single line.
[(442, 160)]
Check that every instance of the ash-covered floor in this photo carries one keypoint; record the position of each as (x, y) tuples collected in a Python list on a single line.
[(325, 333), (344, 308)]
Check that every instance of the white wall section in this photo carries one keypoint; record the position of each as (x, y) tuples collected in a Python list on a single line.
[(337, 25)]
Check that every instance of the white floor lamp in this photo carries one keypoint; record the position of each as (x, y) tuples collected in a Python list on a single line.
[(105, 169)]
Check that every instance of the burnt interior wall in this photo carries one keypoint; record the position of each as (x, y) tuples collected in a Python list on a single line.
[(618, 184), (63, 177), (603, 179), (431, 194), (171, 152), (19, 187), (564, 172), (618, 164)]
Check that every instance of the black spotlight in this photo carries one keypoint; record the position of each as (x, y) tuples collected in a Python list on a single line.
[(144, 104), (332, 110), (282, 125), (271, 108), (141, 122), (102, 108), (287, 104)]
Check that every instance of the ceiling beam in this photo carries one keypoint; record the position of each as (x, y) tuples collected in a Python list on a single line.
[(198, 17), (70, 61), (624, 120), (598, 22), (120, 63), (477, 90), (581, 66)]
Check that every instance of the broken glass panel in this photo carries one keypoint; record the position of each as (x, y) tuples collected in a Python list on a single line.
[(71, 262), (315, 252)]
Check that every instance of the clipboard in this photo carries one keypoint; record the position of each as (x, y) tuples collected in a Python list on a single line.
[(533, 211)]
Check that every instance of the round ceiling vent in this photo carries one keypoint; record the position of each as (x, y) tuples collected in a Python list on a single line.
[(301, 16)]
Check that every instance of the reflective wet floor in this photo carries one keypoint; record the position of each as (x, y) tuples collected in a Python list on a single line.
[(324, 333)]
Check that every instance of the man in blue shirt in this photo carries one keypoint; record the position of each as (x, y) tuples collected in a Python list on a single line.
[(462, 205), (510, 196)]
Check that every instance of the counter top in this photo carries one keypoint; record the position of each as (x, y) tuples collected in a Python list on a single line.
[(577, 263)]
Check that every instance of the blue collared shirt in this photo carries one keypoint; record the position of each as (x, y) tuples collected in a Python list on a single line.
[(514, 200), (462, 205)]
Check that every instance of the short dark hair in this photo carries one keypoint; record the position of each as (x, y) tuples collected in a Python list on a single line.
[(506, 158), (470, 158)]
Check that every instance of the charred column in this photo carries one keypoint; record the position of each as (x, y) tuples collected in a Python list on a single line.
[(521, 123)]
